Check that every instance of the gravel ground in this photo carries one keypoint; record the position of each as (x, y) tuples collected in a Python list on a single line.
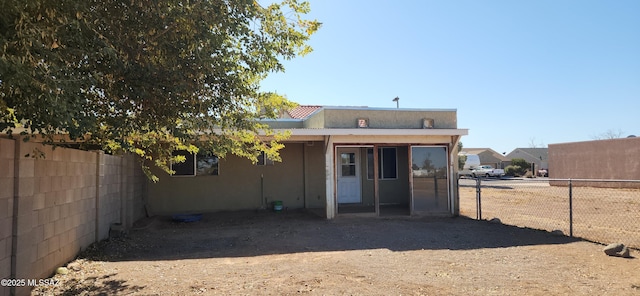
[(294, 253)]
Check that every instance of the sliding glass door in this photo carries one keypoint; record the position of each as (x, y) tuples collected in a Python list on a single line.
[(429, 179)]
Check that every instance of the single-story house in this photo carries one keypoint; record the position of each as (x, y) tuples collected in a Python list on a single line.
[(489, 156), (539, 157), (337, 160)]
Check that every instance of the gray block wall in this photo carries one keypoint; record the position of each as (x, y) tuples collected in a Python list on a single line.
[(7, 152), (56, 202)]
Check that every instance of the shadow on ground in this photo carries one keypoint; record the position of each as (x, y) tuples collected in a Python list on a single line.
[(102, 285), (241, 234)]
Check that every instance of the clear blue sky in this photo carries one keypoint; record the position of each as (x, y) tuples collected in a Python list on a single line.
[(518, 72)]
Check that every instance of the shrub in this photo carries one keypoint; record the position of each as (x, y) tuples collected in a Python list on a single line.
[(513, 170)]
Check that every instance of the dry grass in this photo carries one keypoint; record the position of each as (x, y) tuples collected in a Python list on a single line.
[(603, 215)]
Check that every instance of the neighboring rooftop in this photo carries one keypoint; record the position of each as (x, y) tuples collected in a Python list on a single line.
[(484, 153), (533, 153)]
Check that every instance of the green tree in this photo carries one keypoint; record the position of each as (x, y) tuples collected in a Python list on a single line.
[(521, 163), (148, 76), (462, 159)]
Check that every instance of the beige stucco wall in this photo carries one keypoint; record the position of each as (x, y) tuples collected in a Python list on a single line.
[(242, 185), (316, 120), (315, 182), (382, 118), (603, 159)]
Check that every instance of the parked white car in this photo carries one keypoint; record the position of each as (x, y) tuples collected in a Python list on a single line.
[(486, 171)]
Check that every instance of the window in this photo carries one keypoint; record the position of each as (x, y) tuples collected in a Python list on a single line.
[(348, 164), (186, 168), (387, 163), (264, 160), (196, 165), (207, 165)]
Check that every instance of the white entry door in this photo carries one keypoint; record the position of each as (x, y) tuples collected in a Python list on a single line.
[(348, 175)]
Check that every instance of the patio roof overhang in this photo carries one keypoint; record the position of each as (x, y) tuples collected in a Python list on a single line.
[(374, 132)]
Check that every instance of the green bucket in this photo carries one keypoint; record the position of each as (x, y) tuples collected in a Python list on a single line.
[(277, 206)]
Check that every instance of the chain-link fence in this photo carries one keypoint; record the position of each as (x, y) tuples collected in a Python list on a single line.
[(604, 211)]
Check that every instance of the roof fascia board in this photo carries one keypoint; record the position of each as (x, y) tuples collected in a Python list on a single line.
[(365, 132), (281, 119), (384, 109)]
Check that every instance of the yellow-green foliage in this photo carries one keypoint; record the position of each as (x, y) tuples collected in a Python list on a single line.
[(148, 77)]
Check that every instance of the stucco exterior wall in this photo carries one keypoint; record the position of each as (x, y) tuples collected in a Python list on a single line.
[(315, 182), (384, 118), (603, 159), (316, 120), (242, 185)]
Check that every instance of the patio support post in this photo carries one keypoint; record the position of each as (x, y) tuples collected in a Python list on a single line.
[(409, 164), (376, 181), (305, 182), (329, 166), (454, 194)]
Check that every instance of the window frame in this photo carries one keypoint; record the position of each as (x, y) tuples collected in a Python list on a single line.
[(263, 160), (381, 162), (181, 171)]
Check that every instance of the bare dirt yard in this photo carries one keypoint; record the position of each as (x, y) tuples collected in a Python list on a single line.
[(605, 215), (297, 253)]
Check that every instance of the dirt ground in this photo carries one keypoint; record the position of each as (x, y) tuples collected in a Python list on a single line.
[(297, 253)]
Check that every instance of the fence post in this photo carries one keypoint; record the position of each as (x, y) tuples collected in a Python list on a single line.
[(570, 208), (478, 200)]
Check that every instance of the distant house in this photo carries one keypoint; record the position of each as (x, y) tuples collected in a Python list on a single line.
[(337, 160), (538, 156), (488, 156)]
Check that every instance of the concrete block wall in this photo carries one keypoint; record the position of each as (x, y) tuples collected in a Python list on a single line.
[(56, 202), (135, 190), (7, 151), (109, 201)]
